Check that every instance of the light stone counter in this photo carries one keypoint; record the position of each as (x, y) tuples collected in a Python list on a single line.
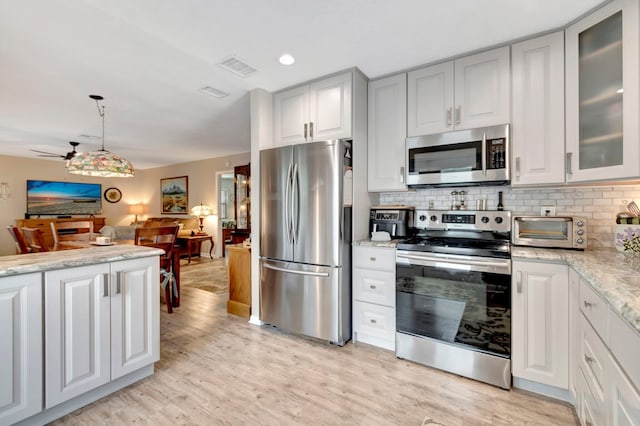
[(369, 243), (39, 262), (614, 275)]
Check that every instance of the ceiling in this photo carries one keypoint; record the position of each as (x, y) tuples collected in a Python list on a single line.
[(149, 58)]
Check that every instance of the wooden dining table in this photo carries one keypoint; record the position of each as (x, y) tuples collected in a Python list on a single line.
[(175, 259)]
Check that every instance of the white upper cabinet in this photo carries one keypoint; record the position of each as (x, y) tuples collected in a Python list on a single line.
[(387, 123), (538, 110), (317, 111), (469, 92), (602, 94), (430, 100)]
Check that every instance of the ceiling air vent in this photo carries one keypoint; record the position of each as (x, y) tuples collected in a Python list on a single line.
[(208, 90), (236, 66)]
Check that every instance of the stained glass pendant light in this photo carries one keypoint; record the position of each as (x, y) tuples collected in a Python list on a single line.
[(101, 163)]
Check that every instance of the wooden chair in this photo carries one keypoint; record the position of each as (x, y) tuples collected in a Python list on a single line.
[(21, 245), (83, 231), (165, 238), (34, 240)]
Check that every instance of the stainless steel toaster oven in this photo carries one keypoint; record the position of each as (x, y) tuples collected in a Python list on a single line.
[(550, 231)]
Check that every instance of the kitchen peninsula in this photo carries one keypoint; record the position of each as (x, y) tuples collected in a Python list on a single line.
[(95, 310)]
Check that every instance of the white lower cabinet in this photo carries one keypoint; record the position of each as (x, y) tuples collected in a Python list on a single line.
[(100, 324), (607, 392), (574, 335), (540, 323), (21, 348), (374, 296)]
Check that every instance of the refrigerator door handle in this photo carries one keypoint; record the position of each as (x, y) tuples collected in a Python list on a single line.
[(289, 271), (287, 191), (295, 204)]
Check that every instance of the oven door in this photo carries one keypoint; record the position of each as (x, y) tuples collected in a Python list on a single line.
[(463, 301)]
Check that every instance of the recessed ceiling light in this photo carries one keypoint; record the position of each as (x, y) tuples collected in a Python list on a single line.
[(212, 91), (286, 59)]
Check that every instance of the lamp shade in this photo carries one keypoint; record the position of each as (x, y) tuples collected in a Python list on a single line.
[(202, 210), (136, 209), (100, 163)]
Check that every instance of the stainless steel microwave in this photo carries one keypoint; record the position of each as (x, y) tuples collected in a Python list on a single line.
[(550, 231), (461, 158)]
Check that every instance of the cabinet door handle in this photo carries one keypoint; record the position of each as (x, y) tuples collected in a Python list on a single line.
[(311, 130), (373, 259), (373, 321), (518, 168), (449, 117), (587, 304), (119, 279), (305, 130), (402, 174), (568, 163), (458, 113), (519, 281), (105, 285), (372, 287), (588, 359)]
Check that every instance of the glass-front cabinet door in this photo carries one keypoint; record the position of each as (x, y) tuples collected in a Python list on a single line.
[(602, 94), (242, 175)]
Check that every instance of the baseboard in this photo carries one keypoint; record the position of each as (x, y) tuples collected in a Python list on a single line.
[(542, 389)]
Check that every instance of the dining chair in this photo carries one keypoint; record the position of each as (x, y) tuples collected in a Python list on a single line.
[(72, 231), (34, 240), (165, 238), (21, 245)]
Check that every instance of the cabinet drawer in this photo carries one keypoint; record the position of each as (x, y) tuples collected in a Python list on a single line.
[(594, 309), (374, 286), (374, 324), (624, 344), (380, 258), (590, 410), (593, 360)]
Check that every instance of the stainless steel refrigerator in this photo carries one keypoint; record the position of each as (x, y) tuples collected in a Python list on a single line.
[(305, 239)]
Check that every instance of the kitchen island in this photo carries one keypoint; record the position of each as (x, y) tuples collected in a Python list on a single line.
[(95, 310)]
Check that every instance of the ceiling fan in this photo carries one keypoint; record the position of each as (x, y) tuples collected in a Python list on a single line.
[(68, 156)]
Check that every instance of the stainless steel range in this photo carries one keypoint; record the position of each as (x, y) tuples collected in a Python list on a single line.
[(453, 294)]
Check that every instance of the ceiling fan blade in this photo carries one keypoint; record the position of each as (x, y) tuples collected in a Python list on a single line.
[(48, 153), (51, 155)]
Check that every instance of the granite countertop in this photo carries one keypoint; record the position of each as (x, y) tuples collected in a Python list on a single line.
[(369, 243), (613, 274), (39, 262)]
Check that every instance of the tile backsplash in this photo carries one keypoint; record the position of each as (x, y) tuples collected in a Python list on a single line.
[(599, 204)]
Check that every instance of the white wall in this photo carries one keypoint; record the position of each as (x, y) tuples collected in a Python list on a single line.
[(143, 188)]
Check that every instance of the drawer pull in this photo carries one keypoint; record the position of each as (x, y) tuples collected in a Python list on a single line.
[(588, 359), (373, 259), (372, 287), (588, 304), (373, 321)]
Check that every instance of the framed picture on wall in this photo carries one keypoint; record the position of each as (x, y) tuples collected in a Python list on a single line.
[(175, 195)]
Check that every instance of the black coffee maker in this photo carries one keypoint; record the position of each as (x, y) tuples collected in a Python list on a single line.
[(396, 220)]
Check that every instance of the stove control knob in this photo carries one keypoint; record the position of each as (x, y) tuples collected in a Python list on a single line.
[(579, 223), (485, 219), (580, 232), (498, 219), (579, 241), (422, 218), (433, 218)]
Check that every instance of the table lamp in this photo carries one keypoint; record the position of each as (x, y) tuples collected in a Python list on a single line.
[(136, 209), (201, 211)]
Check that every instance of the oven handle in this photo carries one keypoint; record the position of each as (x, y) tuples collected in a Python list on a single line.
[(503, 268)]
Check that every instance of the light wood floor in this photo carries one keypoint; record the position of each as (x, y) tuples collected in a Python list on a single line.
[(218, 369)]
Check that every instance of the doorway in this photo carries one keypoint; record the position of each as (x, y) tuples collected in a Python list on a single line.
[(226, 208)]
